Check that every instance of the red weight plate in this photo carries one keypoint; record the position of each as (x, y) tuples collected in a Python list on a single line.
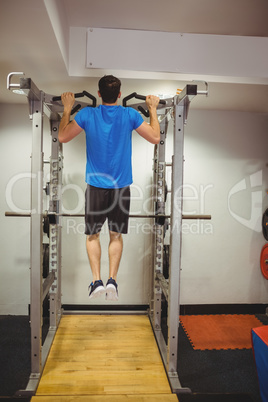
[(264, 261)]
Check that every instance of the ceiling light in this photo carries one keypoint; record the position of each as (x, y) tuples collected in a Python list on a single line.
[(19, 92)]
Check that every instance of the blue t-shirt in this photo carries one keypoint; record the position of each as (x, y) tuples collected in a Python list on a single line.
[(109, 144)]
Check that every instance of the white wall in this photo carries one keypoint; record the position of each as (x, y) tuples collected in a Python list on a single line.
[(220, 262), (134, 273), (225, 158), (15, 150)]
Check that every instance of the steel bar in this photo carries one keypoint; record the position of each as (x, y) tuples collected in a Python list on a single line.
[(188, 93), (47, 344), (47, 283), (36, 233), (29, 88), (55, 209), (175, 241), (18, 214), (28, 215), (163, 284), (12, 85), (159, 177), (174, 380)]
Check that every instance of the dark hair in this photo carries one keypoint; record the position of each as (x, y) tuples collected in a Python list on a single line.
[(109, 87)]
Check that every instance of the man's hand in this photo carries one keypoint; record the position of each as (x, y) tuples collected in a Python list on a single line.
[(68, 130), (152, 101), (68, 100), (151, 132)]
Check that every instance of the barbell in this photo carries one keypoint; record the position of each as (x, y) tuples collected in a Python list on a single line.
[(52, 214), (51, 218)]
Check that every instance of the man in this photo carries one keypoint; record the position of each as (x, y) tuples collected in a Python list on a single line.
[(108, 129)]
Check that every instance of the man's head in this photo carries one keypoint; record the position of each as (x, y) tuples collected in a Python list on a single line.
[(109, 88)]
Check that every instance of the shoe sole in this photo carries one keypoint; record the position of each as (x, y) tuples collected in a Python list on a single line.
[(97, 292), (111, 293)]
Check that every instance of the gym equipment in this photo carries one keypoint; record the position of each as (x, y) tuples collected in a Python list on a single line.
[(45, 260), (264, 261), (164, 284), (48, 217), (260, 349), (265, 224), (139, 107)]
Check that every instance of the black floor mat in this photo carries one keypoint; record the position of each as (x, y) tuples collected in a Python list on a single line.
[(215, 398), (13, 399)]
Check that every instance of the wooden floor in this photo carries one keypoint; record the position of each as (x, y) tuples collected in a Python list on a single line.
[(97, 358)]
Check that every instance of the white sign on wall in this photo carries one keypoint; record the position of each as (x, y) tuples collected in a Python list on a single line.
[(137, 50)]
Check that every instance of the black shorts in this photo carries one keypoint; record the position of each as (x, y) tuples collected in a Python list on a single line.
[(103, 203)]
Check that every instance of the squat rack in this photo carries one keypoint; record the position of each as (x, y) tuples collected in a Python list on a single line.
[(50, 222)]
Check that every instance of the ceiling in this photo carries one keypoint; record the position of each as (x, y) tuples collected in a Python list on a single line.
[(35, 34)]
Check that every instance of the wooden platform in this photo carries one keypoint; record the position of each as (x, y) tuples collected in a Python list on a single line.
[(111, 358)]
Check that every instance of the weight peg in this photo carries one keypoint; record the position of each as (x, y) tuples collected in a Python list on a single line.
[(45, 260), (46, 225)]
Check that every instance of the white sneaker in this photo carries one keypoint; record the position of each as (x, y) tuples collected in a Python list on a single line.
[(111, 290), (96, 289)]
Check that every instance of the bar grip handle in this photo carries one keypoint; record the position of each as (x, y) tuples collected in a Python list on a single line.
[(142, 97), (94, 100), (143, 111), (80, 95), (75, 109), (58, 98), (137, 96)]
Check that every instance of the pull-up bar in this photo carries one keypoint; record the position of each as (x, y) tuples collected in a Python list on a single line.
[(139, 107), (79, 95)]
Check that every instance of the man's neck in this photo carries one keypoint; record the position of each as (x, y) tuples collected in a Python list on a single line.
[(109, 104)]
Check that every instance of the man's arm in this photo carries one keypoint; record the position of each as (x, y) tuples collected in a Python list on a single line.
[(151, 132), (68, 130)]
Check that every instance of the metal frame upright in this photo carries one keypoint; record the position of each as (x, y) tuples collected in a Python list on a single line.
[(159, 188), (44, 221), (169, 288), (41, 104)]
